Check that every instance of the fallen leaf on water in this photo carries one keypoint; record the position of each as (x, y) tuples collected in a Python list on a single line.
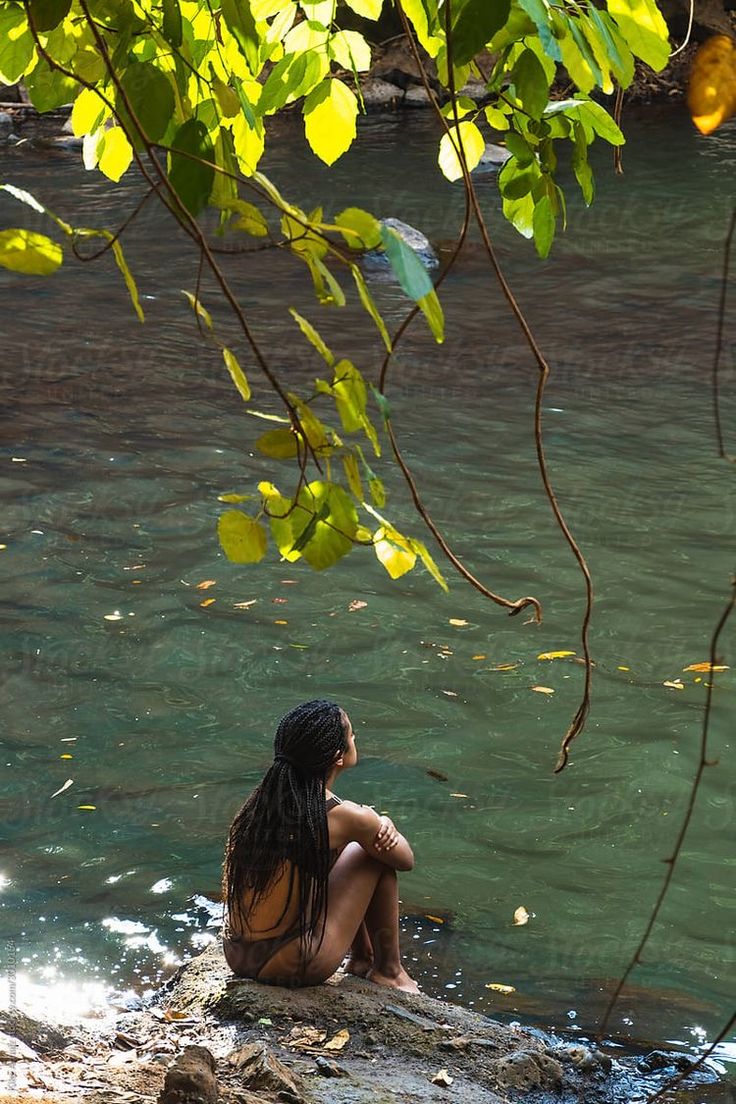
[(521, 916), (116, 616), (623, 668), (480, 657), (711, 90), (674, 684), (86, 806), (281, 622), (443, 1078), (279, 601), (504, 667), (338, 1041), (434, 919), (207, 602), (706, 667), (499, 988), (555, 655), (458, 622), (437, 774), (245, 605), (458, 795), (450, 693), (543, 689), (67, 756), (69, 782), (206, 584), (357, 604)]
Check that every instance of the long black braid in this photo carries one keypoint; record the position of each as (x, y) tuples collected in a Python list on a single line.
[(285, 819)]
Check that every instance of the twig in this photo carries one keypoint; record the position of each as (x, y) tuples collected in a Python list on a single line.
[(719, 339)]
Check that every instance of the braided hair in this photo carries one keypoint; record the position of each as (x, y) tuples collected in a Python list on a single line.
[(285, 819)]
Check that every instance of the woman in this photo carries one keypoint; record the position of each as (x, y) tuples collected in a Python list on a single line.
[(307, 877)]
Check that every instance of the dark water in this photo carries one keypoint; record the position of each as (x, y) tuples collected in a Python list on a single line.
[(126, 434)]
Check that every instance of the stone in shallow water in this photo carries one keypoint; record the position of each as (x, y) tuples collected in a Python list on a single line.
[(414, 238)]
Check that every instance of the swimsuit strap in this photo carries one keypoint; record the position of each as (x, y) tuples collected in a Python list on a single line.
[(332, 802)]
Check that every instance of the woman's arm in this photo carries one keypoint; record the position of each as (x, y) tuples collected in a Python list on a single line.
[(378, 835)]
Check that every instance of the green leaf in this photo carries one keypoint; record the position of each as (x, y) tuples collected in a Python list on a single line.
[(120, 261), (378, 492), (328, 290), (47, 14), (28, 252), (311, 335), (432, 311), (330, 111), (249, 143), (242, 26), (359, 229), (531, 84), (599, 120), (48, 88), (280, 514), (172, 24), (474, 24), (428, 562), (351, 51), (348, 388), (409, 270), (644, 30), (581, 168), (520, 213), (538, 10), (251, 220), (335, 521), (236, 373), (496, 118), (544, 226), (520, 148), (369, 305), (151, 98), (242, 538), (16, 43), (352, 474), (279, 444), (191, 180), (473, 144)]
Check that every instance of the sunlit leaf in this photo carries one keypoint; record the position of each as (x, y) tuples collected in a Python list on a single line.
[(644, 29), (236, 373), (465, 135), (543, 689), (369, 9), (198, 309), (394, 552), (711, 92), (28, 252), (360, 229), (312, 336), (707, 666), (242, 538), (279, 444), (330, 111), (114, 153), (554, 655), (498, 987)]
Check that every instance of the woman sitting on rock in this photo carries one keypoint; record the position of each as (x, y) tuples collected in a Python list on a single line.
[(308, 878)]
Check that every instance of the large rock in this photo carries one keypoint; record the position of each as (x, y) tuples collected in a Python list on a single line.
[(413, 237)]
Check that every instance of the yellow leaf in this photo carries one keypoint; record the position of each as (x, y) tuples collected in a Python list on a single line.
[(86, 806), (457, 621), (88, 113), (673, 684), (521, 916), (711, 93), (249, 143), (543, 689), (480, 657), (473, 146), (394, 552), (281, 622), (206, 584), (207, 602), (555, 655), (242, 538), (338, 1041), (114, 153), (499, 988), (706, 667), (330, 111), (623, 668), (434, 919), (198, 309), (237, 373), (28, 252)]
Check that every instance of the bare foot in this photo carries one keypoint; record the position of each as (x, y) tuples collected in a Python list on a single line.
[(399, 980), (359, 967)]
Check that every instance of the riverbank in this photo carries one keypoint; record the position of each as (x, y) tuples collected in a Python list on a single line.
[(208, 1036)]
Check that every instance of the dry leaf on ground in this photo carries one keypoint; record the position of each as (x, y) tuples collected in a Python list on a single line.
[(338, 1041), (443, 1078)]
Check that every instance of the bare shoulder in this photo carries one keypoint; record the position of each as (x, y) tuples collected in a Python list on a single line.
[(352, 821)]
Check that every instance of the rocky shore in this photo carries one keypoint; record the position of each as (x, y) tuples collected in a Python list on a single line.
[(207, 1037)]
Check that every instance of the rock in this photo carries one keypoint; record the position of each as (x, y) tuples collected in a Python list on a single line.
[(15, 1050), (527, 1069), (39, 1036), (379, 95), (413, 238), (6, 127), (492, 158), (417, 97), (263, 1072), (191, 1079), (658, 1060)]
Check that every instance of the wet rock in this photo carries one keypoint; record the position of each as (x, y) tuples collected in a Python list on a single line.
[(527, 1069), (417, 97), (492, 159), (262, 1071), (381, 95), (39, 1036), (191, 1079), (658, 1060), (413, 238)]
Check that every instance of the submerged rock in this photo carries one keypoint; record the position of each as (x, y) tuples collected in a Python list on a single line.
[(381, 95)]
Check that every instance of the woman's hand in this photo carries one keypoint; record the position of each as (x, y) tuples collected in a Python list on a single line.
[(387, 835)]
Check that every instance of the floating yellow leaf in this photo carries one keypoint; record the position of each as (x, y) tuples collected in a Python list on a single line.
[(675, 684), (499, 988), (245, 605), (555, 655), (116, 616), (543, 689), (711, 92), (434, 919), (458, 795), (706, 667), (458, 622), (67, 756), (281, 622), (86, 806), (504, 667), (623, 668), (207, 602), (338, 1041), (480, 657), (206, 584), (521, 916)]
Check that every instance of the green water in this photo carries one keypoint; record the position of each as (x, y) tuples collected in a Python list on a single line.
[(128, 433)]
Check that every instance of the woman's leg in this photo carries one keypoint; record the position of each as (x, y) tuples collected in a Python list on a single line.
[(360, 955), (355, 880)]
